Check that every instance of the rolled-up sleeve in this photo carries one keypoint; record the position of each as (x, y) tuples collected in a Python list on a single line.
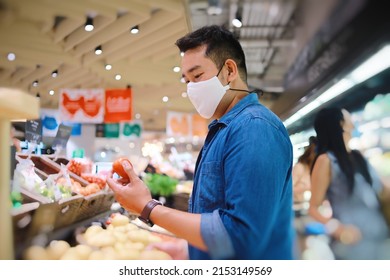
[(215, 236)]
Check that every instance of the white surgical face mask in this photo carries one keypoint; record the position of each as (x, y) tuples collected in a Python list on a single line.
[(206, 95)]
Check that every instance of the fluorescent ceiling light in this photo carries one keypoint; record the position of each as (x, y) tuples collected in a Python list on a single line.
[(335, 90), (309, 107), (372, 66), (375, 64)]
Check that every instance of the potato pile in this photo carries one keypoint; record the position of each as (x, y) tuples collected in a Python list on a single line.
[(120, 241)]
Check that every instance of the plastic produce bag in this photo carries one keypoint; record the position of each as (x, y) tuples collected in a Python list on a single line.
[(25, 176), (57, 186)]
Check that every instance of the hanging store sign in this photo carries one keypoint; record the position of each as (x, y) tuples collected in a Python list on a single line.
[(33, 131), (62, 136), (111, 130), (185, 125), (178, 124), (199, 126), (118, 105), (82, 105), (50, 122), (76, 128), (131, 130)]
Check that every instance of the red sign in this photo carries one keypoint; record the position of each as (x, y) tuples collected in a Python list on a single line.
[(82, 105), (118, 105)]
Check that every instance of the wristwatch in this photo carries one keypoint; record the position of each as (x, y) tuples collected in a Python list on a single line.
[(147, 210)]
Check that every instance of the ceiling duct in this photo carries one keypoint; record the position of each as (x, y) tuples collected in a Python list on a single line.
[(214, 7)]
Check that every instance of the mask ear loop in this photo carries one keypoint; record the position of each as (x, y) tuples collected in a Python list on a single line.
[(220, 69), (228, 84)]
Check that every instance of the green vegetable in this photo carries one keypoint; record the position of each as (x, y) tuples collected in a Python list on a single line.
[(16, 198), (162, 185)]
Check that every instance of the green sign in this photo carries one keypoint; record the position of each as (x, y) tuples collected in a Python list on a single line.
[(78, 153), (131, 130), (111, 130)]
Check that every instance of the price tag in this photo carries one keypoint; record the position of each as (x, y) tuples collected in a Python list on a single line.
[(34, 131), (62, 137)]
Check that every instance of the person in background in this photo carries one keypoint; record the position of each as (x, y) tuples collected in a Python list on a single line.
[(15, 141), (352, 186), (241, 203), (301, 171)]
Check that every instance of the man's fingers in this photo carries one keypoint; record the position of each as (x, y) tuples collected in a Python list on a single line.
[(112, 184), (123, 181), (129, 170)]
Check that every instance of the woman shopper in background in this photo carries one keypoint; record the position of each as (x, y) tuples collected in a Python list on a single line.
[(301, 172), (347, 180)]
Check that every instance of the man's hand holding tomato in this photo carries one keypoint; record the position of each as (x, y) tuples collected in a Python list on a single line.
[(130, 191)]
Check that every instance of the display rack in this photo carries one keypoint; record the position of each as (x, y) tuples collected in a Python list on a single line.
[(14, 104)]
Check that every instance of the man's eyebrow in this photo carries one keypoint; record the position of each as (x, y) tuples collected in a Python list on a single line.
[(192, 69)]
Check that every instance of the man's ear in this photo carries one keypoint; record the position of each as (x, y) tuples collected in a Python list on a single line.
[(232, 70)]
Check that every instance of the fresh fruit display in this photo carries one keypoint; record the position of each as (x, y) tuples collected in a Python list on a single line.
[(87, 190), (80, 166), (96, 179), (118, 168), (55, 187), (121, 240)]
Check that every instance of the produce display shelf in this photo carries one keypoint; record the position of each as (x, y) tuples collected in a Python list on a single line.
[(14, 104)]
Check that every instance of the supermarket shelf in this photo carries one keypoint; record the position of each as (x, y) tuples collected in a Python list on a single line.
[(14, 104)]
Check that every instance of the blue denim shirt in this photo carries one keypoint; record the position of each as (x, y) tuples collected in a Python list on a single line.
[(243, 188)]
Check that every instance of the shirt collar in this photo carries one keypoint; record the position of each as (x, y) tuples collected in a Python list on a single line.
[(250, 99)]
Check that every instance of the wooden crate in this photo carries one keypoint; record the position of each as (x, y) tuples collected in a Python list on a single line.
[(90, 206), (72, 175), (67, 211), (30, 196), (48, 166), (59, 160), (107, 201), (41, 164)]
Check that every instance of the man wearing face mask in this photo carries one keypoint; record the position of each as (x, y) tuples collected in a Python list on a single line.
[(241, 203)]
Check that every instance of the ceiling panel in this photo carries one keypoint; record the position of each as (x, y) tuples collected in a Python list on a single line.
[(48, 35)]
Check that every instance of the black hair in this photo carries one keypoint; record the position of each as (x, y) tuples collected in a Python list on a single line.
[(221, 44), (309, 154), (328, 126)]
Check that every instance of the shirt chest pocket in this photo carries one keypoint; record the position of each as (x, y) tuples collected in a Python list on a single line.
[(211, 194)]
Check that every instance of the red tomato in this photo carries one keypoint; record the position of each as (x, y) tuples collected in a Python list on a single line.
[(118, 168)]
